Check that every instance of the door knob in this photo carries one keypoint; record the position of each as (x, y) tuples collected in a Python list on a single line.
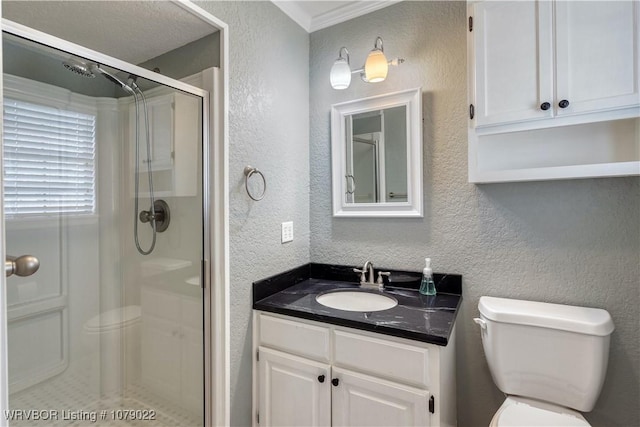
[(335, 382), (545, 106), (24, 265), (563, 104), (321, 378)]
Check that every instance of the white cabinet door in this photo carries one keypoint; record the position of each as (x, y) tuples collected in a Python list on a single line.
[(161, 132), (361, 400), (161, 129), (161, 354), (293, 391), (597, 55), (513, 48)]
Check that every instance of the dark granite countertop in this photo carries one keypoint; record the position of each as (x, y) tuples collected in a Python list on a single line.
[(418, 317)]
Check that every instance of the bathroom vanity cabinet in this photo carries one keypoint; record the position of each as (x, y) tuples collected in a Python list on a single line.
[(171, 346), (554, 89), (310, 373)]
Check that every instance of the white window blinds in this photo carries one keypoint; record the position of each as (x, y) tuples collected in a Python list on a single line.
[(49, 160)]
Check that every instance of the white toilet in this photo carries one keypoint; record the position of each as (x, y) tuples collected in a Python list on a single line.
[(549, 359), (112, 342)]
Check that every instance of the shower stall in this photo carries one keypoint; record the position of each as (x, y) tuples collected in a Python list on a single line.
[(103, 184)]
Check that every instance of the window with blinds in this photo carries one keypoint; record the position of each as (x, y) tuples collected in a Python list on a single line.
[(49, 160)]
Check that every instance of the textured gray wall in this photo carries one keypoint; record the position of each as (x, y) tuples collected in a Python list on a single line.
[(268, 129), (574, 242)]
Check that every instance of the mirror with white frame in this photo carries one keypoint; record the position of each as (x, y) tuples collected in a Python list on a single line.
[(376, 156)]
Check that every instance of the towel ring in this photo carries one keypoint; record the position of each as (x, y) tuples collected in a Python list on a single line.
[(249, 171)]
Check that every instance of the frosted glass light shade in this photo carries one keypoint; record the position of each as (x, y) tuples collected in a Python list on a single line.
[(340, 76), (376, 66)]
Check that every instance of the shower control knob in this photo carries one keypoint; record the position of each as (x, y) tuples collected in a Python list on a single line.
[(22, 266), (161, 216)]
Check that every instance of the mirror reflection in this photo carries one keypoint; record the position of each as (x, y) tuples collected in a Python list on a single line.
[(376, 156), (376, 153)]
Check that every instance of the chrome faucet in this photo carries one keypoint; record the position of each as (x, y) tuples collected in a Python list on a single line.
[(369, 283)]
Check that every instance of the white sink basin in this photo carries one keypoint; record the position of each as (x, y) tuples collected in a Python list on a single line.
[(355, 300)]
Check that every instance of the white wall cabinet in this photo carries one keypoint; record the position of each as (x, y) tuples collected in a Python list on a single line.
[(175, 141), (536, 65), (513, 61), (590, 55), (597, 60), (314, 374)]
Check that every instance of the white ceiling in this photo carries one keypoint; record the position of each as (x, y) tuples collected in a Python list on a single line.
[(91, 24), (315, 15)]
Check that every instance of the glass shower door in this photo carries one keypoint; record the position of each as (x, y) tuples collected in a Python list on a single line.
[(101, 334)]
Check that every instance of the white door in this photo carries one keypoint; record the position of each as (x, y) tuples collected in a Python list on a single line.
[(597, 55), (361, 400), (293, 391), (513, 51)]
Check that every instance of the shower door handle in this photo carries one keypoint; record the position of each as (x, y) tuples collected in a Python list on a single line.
[(24, 265)]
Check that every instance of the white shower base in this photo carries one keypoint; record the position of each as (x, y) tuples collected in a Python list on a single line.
[(68, 392)]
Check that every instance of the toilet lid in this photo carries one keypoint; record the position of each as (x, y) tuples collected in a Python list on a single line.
[(520, 412), (113, 319)]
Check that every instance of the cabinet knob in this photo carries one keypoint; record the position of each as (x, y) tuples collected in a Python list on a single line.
[(321, 378), (335, 382), (545, 106), (563, 104)]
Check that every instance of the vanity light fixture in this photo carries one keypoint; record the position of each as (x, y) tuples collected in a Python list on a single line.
[(375, 67), (341, 71)]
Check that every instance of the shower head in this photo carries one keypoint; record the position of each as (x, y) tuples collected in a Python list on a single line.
[(89, 69), (95, 68), (79, 67)]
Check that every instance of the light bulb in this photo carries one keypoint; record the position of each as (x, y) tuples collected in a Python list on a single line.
[(376, 66), (340, 76)]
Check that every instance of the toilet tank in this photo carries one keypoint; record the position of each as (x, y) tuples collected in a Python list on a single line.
[(551, 352)]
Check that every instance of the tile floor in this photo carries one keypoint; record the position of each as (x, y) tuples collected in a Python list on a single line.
[(67, 395)]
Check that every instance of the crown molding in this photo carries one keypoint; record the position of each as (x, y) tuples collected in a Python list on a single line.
[(347, 12), (295, 12), (331, 17)]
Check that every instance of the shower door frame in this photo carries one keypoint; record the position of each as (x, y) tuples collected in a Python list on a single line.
[(215, 264)]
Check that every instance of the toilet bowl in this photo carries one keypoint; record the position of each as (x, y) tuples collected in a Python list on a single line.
[(112, 341), (549, 359)]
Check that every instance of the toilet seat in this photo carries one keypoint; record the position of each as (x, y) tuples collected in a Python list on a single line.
[(522, 412), (113, 319)]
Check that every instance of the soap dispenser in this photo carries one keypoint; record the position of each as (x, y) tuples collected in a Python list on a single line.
[(427, 286)]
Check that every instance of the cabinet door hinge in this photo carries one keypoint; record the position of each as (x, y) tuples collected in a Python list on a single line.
[(470, 23), (432, 404), (472, 111), (257, 417), (258, 355)]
